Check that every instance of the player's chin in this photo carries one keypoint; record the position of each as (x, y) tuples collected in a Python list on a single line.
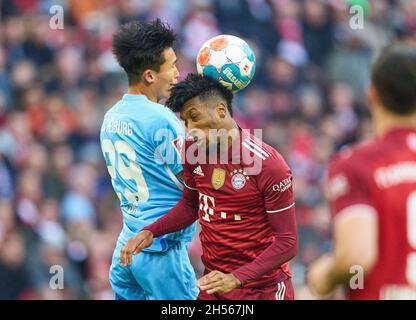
[(168, 91), (171, 85)]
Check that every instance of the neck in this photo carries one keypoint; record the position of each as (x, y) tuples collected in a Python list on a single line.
[(141, 88), (386, 121), (233, 133), (223, 142)]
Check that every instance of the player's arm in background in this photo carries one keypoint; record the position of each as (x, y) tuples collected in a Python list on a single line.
[(180, 216), (355, 228), (280, 208)]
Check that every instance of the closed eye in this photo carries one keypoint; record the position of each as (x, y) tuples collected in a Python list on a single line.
[(194, 116)]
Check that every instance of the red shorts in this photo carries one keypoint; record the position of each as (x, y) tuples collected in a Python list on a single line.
[(282, 290)]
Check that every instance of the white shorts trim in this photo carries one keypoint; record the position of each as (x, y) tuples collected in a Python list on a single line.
[(281, 290)]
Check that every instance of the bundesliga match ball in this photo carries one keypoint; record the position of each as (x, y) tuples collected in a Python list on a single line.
[(227, 59)]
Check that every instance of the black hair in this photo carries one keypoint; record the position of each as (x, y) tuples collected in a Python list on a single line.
[(139, 46), (394, 78), (196, 85)]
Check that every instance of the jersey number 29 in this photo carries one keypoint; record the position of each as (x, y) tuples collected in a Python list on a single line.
[(126, 171)]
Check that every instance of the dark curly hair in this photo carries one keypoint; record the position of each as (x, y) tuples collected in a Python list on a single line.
[(198, 86), (139, 46), (394, 77)]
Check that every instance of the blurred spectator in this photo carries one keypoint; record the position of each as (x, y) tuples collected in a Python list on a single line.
[(14, 277), (317, 30), (77, 204)]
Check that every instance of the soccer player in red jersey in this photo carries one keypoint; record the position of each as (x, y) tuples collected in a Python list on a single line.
[(372, 193), (246, 211)]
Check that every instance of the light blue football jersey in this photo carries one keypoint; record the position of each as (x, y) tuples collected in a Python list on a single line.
[(138, 139)]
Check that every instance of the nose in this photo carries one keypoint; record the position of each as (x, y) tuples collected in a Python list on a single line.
[(177, 74)]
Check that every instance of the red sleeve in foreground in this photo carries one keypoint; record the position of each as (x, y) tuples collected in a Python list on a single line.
[(180, 216), (283, 248)]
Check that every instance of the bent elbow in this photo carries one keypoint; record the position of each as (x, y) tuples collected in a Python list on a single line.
[(293, 249), (365, 261)]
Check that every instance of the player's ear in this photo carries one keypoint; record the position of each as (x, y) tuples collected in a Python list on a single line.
[(148, 76), (222, 110)]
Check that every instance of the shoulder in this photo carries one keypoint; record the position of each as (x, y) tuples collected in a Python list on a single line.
[(153, 117), (358, 157), (163, 117), (141, 109), (265, 155), (268, 166), (113, 109), (350, 170)]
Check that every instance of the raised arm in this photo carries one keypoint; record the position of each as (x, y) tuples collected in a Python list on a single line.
[(180, 216)]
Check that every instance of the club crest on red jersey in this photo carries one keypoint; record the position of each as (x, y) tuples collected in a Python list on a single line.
[(238, 179), (218, 178)]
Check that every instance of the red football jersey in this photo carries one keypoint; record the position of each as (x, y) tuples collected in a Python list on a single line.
[(382, 174), (234, 203)]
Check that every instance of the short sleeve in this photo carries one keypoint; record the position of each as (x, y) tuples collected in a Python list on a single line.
[(275, 182), (347, 184)]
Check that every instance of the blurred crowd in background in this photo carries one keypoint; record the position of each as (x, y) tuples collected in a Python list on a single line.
[(57, 206)]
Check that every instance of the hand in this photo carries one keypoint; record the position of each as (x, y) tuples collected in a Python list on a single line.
[(319, 276), (135, 244), (216, 281)]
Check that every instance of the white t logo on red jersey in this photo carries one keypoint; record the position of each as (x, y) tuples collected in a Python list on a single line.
[(206, 205)]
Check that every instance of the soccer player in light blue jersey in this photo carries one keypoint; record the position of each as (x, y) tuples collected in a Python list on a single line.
[(139, 141)]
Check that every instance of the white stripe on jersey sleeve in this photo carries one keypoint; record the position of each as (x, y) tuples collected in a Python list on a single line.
[(252, 143), (174, 178), (254, 151), (280, 210), (195, 189)]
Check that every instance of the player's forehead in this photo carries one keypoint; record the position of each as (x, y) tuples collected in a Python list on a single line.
[(169, 55), (193, 104)]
